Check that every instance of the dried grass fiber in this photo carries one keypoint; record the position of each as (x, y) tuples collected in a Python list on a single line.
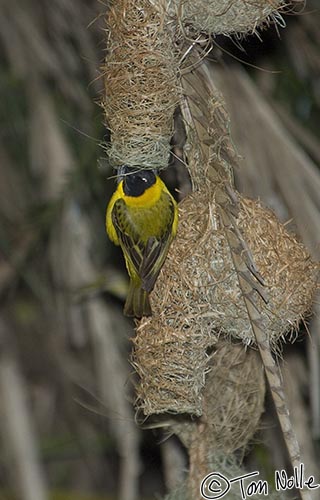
[(225, 16), (141, 88), (197, 297), (233, 401), (170, 359), (202, 260)]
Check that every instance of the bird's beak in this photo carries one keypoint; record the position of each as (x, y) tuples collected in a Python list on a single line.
[(121, 172)]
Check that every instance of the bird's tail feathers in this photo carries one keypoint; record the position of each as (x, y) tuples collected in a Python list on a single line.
[(137, 303)]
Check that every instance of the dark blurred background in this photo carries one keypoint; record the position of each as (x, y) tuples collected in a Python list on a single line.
[(67, 424)]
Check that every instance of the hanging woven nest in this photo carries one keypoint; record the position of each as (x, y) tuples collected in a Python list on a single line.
[(171, 361), (199, 276), (197, 298), (233, 401), (141, 86), (225, 16)]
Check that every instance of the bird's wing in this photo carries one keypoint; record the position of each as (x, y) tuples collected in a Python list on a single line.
[(145, 258), (127, 234), (155, 254)]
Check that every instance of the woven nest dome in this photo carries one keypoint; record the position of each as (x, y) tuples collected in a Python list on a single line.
[(225, 16), (199, 281), (233, 401), (197, 298)]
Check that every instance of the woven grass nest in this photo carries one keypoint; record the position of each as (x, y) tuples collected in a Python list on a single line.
[(197, 298), (141, 86), (198, 279), (233, 401), (171, 364), (225, 16)]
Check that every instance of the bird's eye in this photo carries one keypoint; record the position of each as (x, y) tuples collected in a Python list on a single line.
[(144, 179)]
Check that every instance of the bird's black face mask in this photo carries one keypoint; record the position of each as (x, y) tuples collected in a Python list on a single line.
[(135, 182)]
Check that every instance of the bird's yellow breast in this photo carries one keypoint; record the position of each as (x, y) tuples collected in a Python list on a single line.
[(146, 210)]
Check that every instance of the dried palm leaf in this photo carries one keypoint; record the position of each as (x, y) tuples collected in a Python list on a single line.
[(276, 169)]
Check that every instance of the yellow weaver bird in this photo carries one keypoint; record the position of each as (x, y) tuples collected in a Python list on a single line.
[(142, 217)]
